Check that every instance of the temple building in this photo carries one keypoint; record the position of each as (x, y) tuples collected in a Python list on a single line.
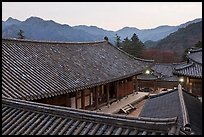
[(77, 75), (190, 72), (49, 88), (158, 77)]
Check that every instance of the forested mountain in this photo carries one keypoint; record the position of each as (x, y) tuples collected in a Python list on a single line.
[(180, 40)]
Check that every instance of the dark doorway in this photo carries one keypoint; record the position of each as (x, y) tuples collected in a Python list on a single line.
[(112, 90)]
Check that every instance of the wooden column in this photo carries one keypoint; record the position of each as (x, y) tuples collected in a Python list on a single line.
[(96, 97), (154, 86), (83, 99), (107, 93), (116, 87), (125, 85), (90, 97), (76, 98), (136, 85), (190, 86), (186, 80), (102, 89)]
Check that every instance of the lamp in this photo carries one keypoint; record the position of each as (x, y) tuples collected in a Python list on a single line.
[(181, 79), (147, 72)]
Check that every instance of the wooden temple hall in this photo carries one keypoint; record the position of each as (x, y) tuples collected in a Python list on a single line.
[(190, 72), (78, 75)]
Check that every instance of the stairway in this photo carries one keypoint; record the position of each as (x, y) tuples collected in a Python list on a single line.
[(126, 109)]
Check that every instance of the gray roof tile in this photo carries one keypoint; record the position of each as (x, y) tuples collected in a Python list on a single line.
[(40, 119), (34, 70), (169, 104)]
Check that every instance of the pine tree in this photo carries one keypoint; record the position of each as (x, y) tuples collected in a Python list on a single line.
[(105, 38), (117, 41), (20, 34), (126, 42), (134, 46)]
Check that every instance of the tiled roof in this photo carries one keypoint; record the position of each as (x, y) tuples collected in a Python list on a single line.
[(161, 71), (164, 69), (173, 103), (146, 77), (195, 55), (34, 70), (20, 117), (171, 79), (191, 69), (194, 108)]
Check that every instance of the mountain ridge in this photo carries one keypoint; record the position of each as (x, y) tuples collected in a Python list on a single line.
[(82, 32), (179, 40)]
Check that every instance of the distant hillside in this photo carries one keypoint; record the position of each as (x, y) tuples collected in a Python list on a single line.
[(39, 29), (99, 32), (10, 21), (180, 40), (153, 34)]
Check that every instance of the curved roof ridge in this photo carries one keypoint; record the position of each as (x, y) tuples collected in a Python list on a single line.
[(158, 119), (162, 93), (140, 59), (186, 122), (64, 111), (195, 50), (164, 63), (192, 60), (191, 55), (52, 42), (179, 63), (145, 60), (184, 66)]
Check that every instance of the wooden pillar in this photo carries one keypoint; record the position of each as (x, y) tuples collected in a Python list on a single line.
[(83, 99), (90, 97), (154, 86), (136, 85), (102, 89), (190, 86), (186, 80), (125, 85), (107, 93), (123, 89), (116, 87), (76, 99), (96, 97)]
